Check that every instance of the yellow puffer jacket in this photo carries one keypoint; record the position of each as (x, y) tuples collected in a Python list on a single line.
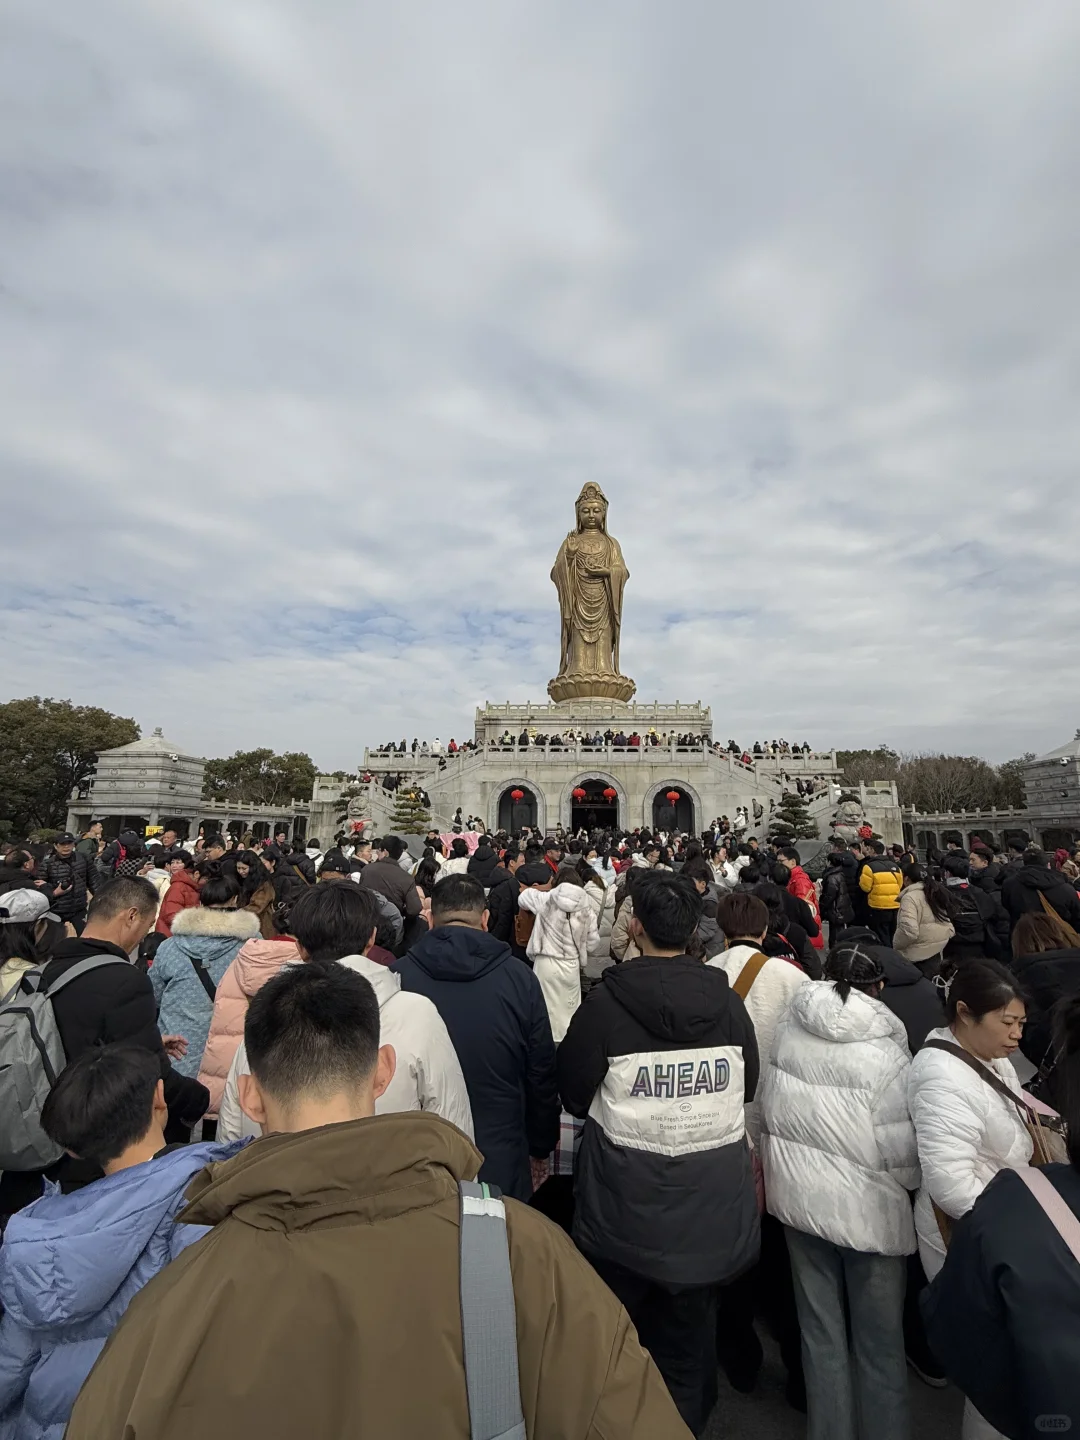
[(880, 881)]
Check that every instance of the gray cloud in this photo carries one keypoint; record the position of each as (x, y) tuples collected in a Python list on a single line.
[(316, 318)]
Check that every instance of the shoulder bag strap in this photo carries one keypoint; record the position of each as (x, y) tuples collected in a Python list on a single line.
[(749, 973), (300, 874), (994, 1081), (488, 1318), (1058, 1212), (204, 978)]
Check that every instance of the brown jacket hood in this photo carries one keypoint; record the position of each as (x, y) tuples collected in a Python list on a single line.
[(371, 1169), (325, 1304)]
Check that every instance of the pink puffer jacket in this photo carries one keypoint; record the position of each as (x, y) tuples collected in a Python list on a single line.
[(258, 961)]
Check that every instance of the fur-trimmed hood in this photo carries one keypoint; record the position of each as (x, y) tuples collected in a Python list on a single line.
[(229, 924)]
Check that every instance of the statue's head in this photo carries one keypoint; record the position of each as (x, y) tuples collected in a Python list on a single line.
[(591, 508)]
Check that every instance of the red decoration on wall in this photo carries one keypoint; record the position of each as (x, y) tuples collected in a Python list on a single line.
[(517, 795), (611, 795), (673, 796), (578, 793)]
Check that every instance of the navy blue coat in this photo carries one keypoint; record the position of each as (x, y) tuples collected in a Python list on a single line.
[(493, 1007), (1003, 1315)]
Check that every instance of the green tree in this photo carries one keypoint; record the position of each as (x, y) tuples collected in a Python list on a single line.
[(410, 815), (1010, 786), (791, 817), (259, 777), (47, 749)]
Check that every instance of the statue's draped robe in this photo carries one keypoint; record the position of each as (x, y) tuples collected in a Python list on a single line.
[(590, 604)]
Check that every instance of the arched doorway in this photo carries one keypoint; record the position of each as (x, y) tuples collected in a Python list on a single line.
[(594, 805), (677, 814), (513, 813)]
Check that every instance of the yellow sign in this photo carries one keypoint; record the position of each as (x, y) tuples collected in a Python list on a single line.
[(154, 830)]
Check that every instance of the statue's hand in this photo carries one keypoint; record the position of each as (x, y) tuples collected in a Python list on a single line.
[(601, 572)]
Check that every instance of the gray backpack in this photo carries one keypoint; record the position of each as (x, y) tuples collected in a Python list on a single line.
[(31, 1057), (488, 1318)]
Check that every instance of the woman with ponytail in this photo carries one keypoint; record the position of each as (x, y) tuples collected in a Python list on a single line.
[(1003, 1315), (839, 1155)]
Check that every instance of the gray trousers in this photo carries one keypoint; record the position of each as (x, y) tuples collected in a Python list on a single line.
[(857, 1389)]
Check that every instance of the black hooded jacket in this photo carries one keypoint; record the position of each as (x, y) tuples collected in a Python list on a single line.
[(493, 1007), (1022, 888), (482, 863), (1046, 978), (502, 905), (661, 1057)]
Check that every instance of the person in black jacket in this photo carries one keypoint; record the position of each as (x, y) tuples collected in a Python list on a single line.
[(841, 877), (665, 1207), (494, 1009), (1003, 1314), (1048, 968), (110, 1004), (482, 862), (978, 917), (1024, 890), (502, 898), (68, 877), (984, 872)]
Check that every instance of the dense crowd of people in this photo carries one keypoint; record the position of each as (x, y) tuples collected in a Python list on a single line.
[(364, 1115)]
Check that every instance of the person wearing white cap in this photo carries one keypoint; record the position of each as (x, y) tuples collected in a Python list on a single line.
[(28, 932)]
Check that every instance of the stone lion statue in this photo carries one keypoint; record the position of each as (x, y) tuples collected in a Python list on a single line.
[(850, 817)]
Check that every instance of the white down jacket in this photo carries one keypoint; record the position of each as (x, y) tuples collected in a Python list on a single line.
[(770, 995), (428, 1075), (565, 926), (838, 1145), (967, 1132)]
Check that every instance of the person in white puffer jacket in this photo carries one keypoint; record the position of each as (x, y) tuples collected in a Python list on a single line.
[(967, 1130), (840, 1157), (328, 922), (564, 933)]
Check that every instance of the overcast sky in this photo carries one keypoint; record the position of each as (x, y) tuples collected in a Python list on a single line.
[(316, 317)]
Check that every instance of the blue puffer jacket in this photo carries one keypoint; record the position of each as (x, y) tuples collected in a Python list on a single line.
[(69, 1267), (214, 938)]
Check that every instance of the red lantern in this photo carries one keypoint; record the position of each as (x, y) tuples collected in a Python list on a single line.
[(517, 795), (673, 797), (611, 795), (578, 793)]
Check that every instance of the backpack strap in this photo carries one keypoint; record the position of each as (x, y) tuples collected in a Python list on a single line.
[(1058, 1212), (81, 968), (488, 1318), (749, 973)]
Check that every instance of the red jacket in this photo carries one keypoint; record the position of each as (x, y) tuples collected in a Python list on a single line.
[(181, 895), (802, 887)]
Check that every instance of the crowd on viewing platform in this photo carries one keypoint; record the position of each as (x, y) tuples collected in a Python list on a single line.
[(597, 740)]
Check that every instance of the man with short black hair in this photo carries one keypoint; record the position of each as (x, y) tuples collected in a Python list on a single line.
[(387, 876), (68, 877), (1035, 889), (665, 1201), (881, 881), (494, 1009), (115, 1002), (355, 1219), (503, 896), (341, 923)]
